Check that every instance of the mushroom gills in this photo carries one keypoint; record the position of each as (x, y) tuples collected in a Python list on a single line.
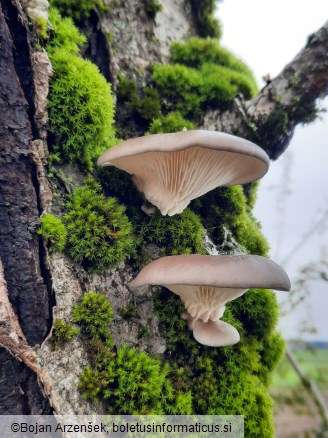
[(205, 302), (170, 180)]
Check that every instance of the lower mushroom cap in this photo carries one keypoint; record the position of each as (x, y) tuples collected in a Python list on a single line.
[(206, 283), (215, 333)]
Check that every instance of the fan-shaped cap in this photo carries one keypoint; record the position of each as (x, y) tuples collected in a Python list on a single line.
[(221, 271), (206, 283), (172, 169)]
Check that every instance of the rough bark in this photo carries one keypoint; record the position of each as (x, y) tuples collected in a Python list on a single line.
[(286, 101), (20, 390), (19, 212), (19, 216)]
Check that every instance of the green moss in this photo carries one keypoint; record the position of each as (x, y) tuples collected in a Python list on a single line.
[(130, 311), (117, 183), (173, 122), (277, 121), (41, 27), (249, 234), (62, 332), (143, 332), (94, 314), (207, 24), (126, 88), (249, 309), (134, 383), (100, 234), (80, 108), (272, 351), (54, 231), (180, 86), (148, 107), (80, 103), (126, 380), (226, 207), (250, 191), (241, 393), (181, 346), (64, 35), (198, 51), (191, 90), (78, 10), (145, 107), (226, 83), (152, 7), (90, 383), (201, 75), (179, 234), (228, 380), (126, 391)]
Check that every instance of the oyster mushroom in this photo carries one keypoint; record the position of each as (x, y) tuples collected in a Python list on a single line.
[(206, 283), (172, 169)]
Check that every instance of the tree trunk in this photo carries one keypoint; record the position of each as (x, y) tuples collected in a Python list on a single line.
[(37, 287)]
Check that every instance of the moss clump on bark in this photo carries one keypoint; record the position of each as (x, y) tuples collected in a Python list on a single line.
[(99, 233), (179, 234), (226, 207), (78, 10), (198, 51), (54, 231), (126, 380), (80, 103), (94, 314), (201, 75), (172, 122), (62, 332), (137, 106)]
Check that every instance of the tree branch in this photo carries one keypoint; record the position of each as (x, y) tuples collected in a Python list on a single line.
[(289, 99), (310, 386)]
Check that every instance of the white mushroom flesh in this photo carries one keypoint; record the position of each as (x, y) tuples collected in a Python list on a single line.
[(205, 302), (170, 180)]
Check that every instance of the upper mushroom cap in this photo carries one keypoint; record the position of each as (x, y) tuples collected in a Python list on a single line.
[(172, 169), (222, 271)]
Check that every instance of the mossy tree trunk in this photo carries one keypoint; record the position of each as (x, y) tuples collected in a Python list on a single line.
[(121, 40)]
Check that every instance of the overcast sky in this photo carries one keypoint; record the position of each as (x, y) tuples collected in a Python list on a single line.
[(267, 35)]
